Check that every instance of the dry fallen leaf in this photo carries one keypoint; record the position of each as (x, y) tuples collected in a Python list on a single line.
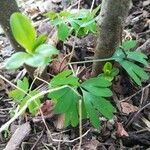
[(120, 130), (47, 107), (128, 108)]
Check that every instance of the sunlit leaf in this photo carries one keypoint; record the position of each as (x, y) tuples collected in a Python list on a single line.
[(23, 31)]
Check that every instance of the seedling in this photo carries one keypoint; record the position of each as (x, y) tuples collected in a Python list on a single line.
[(126, 59), (109, 72), (22, 94), (37, 52), (76, 22)]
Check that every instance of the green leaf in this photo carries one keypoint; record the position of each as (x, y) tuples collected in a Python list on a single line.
[(47, 50), (34, 105), (16, 60), (97, 86), (37, 60), (66, 102), (72, 116), (64, 78), (114, 72), (64, 13), (129, 44), (40, 40), (103, 106), (23, 31), (107, 68), (137, 56), (18, 95), (118, 55), (137, 73), (95, 105), (57, 21), (92, 114), (63, 31), (51, 15)]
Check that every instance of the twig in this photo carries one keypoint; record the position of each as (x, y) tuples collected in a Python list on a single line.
[(90, 61), (92, 5), (129, 123), (21, 132), (134, 93), (21, 111), (3, 78), (37, 140), (71, 141), (79, 3)]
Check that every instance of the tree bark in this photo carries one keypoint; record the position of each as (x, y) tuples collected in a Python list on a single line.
[(7, 8), (110, 26)]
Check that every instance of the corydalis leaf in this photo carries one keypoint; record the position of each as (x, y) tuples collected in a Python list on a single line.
[(64, 78), (67, 102)]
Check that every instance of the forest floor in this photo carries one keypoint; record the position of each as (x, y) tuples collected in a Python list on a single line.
[(130, 128)]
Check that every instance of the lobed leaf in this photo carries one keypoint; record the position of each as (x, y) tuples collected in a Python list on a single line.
[(91, 112), (64, 78), (137, 73), (66, 102), (34, 105), (137, 56), (18, 95)]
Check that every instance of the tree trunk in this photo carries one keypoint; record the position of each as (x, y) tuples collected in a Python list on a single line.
[(7, 8), (110, 26)]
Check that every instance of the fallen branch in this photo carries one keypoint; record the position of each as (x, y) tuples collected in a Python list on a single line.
[(20, 134)]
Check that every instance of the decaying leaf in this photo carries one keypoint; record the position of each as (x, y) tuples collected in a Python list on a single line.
[(128, 108), (120, 130)]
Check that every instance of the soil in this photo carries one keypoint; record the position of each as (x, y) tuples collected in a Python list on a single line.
[(130, 127)]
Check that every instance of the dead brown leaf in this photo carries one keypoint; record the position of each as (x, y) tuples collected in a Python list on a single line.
[(120, 130), (128, 108), (47, 107)]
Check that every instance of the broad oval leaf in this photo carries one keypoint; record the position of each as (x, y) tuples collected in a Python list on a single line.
[(37, 60), (47, 50), (16, 60), (23, 31)]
